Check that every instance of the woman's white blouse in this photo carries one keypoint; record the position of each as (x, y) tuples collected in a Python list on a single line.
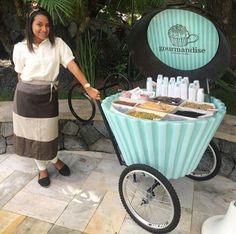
[(43, 64)]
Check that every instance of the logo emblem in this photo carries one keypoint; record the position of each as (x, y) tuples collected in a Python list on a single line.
[(179, 36), (182, 39)]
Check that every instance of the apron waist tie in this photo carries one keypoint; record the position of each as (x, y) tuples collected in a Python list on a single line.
[(52, 85)]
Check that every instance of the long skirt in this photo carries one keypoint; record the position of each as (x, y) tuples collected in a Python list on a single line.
[(35, 121)]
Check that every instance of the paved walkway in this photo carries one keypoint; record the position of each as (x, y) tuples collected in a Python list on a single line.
[(88, 201)]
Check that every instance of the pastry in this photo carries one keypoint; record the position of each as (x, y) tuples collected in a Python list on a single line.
[(156, 106)]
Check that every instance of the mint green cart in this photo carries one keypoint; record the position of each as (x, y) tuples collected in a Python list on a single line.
[(155, 152), (171, 42)]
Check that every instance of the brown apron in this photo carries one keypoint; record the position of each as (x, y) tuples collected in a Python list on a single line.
[(35, 120)]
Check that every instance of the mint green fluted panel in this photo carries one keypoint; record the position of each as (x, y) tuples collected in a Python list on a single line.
[(172, 147)]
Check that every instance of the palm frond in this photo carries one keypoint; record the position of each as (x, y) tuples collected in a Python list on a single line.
[(59, 9)]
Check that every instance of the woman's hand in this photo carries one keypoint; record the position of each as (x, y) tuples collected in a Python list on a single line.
[(93, 93)]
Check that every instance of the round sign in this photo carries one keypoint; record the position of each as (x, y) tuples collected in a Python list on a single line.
[(182, 39)]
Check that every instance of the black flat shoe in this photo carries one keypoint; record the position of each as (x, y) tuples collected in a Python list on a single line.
[(44, 182), (65, 170)]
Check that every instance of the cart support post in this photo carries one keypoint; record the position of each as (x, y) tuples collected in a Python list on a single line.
[(112, 137)]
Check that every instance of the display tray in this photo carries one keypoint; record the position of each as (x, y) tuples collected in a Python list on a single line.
[(128, 103), (120, 108), (157, 106), (124, 104), (185, 110), (199, 105), (138, 113), (145, 114), (172, 117), (168, 100), (190, 113)]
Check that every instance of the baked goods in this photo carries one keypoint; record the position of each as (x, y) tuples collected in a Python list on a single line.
[(199, 106), (190, 114), (168, 100), (125, 103), (143, 115), (156, 106)]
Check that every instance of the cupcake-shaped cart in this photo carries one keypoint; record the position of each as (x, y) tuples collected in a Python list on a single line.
[(171, 42), (174, 148)]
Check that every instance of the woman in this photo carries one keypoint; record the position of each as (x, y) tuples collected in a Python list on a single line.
[(35, 115)]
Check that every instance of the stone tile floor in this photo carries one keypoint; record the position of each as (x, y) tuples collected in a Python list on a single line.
[(88, 201)]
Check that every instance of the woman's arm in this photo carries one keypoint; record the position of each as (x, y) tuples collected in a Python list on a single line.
[(75, 70)]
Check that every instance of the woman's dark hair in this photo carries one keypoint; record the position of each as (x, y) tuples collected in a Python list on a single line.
[(29, 31)]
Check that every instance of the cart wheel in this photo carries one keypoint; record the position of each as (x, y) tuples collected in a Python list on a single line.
[(114, 83), (209, 165), (74, 94), (149, 198)]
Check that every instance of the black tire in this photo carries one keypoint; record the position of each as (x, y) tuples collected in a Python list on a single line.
[(147, 193), (115, 83), (76, 92), (209, 165)]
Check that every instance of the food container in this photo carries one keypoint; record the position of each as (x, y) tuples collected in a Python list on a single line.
[(123, 103), (120, 108), (157, 106), (168, 100), (126, 102), (191, 113), (205, 106), (172, 117), (140, 113)]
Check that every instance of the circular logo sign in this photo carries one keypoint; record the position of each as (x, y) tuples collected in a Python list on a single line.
[(182, 39)]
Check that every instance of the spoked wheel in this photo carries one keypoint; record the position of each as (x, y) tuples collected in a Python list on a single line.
[(77, 110), (149, 198), (209, 165), (114, 83)]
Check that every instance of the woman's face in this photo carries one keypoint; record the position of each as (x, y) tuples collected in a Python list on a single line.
[(40, 28)]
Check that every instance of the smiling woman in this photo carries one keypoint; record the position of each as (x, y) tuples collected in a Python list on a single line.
[(35, 114), (40, 28)]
